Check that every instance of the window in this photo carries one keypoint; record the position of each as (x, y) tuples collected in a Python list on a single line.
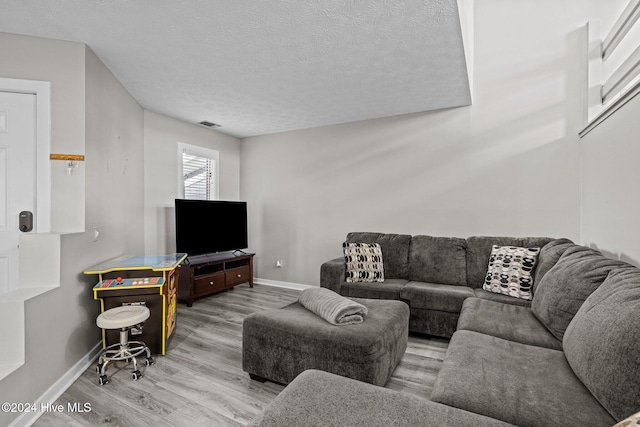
[(614, 66), (197, 177), (198, 172)]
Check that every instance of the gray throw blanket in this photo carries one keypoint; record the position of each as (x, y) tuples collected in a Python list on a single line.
[(332, 307)]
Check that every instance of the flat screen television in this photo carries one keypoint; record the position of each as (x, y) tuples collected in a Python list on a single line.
[(210, 226)]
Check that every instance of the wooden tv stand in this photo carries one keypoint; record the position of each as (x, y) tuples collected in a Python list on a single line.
[(213, 273)]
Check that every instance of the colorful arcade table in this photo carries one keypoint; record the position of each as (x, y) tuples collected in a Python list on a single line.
[(141, 280)]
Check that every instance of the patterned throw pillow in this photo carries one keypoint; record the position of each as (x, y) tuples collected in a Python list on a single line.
[(632, 421), (510, 271), (364, 262)]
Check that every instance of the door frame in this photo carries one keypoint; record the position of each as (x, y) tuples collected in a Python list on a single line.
[(42, 91)]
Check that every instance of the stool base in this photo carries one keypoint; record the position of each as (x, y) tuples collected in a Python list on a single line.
[(126, 351)]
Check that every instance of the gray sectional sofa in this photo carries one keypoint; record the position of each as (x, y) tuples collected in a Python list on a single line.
[(434, 275), (321, 399), (569, 357)]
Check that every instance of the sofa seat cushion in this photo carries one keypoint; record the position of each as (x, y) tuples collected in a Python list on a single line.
[(521, 384), (602, 342), (317, 398), (479, 251), (561, 292), (395, 251), (434, 296), (389, 289), (506, 299), (438, 260), (506, 321)]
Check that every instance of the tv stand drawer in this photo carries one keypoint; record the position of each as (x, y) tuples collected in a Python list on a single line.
[(214, 273), (209, 283), (237, 275)]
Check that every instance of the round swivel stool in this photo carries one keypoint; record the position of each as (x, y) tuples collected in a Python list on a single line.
[(123, 318)]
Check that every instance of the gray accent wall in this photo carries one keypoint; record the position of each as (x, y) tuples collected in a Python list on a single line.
[(510, 164), (161, 137), (507, 165), (92, 114), (130, 162)]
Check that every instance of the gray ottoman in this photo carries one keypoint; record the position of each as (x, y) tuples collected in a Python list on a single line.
[(280, 344)]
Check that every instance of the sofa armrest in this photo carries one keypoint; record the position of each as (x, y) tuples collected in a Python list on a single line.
[(332, 274)]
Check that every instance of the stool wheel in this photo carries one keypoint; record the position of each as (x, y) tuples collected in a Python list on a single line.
[(103, 380), (137, 375), (150, 361)]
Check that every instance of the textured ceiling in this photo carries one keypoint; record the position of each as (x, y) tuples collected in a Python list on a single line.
[(264, 66)]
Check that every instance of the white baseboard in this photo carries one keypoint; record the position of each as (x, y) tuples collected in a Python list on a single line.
[(59, 387), (279, 284)]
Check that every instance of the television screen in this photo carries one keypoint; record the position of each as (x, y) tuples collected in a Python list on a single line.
[(209, 226)]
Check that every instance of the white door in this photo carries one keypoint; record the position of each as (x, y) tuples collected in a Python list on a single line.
[(17, 178)]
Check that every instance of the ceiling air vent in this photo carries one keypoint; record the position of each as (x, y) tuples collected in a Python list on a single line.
[(209, 125)]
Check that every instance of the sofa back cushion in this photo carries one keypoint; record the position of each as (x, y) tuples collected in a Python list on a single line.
[(479, 251), (548, 257), (395, 251), (563, 289), (440, 260), (602, 342)]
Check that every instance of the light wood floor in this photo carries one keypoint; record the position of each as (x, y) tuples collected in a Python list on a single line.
[(200, 381)]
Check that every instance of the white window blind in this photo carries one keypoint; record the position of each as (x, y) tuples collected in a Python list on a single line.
[(623, 37), (614, 66), (198, 176)]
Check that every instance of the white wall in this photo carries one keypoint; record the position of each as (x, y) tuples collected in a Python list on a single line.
[(610, 195), (507, 165), (88, 104), (609, 153), (161, 137), (23, 58)]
